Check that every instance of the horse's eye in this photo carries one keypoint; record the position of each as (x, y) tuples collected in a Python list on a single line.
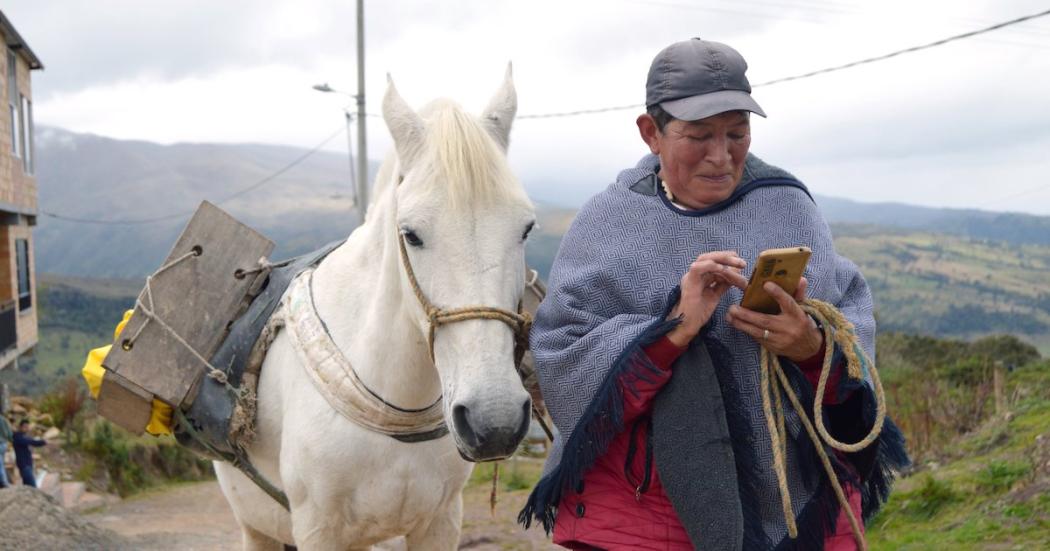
[(411, 238), (528, 229)]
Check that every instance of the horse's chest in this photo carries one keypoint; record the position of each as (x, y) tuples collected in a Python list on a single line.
[(377, 485)]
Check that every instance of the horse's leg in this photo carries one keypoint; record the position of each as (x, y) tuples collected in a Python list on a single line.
[(257, 541), (313, 526), (442, 532)]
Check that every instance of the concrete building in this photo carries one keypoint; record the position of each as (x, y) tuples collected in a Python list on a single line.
[(18, 198)]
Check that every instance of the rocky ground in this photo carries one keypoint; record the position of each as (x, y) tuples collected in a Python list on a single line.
[(32, 519)]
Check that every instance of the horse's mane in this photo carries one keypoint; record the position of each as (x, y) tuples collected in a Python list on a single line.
[(473, 165)]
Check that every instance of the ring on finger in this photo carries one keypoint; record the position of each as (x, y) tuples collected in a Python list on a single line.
[(765, 334)]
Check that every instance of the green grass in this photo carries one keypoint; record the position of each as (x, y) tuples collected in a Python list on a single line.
[(985, 495), (514, 474)]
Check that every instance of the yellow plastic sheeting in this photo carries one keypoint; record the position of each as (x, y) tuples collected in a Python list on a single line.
[(93, 372)]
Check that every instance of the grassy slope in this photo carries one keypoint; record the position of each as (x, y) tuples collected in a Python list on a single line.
[(76, 315), (952, 286), (989, 490)]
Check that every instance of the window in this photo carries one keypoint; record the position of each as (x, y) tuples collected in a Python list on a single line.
[(25, 292), (12, 101), (27, 134)]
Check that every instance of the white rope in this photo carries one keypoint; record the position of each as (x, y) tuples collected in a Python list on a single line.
[(151, 315)]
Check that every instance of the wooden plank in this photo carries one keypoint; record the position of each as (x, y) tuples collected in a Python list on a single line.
[(124, 403), (197, 298)]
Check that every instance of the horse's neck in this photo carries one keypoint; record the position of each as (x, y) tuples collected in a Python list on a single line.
[(359, 295)]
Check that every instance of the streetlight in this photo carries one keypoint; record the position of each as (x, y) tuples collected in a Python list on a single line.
[(362, 152), (359, 173), (349, 142)]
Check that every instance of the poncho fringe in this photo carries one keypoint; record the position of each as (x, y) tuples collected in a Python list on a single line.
[(598, 426)]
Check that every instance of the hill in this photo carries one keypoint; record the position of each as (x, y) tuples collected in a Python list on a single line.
[(75, 315), (951, 286), (98, 178), (1009, 227)]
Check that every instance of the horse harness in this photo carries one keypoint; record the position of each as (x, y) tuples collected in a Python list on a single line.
[(520, 322), (337, 380), (215, 424)]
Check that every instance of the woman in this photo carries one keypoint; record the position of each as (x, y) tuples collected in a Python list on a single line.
[(649, 367)]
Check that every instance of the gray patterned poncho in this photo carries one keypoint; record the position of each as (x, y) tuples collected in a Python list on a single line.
[(613, 283)]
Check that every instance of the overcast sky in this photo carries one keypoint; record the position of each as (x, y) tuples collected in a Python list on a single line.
[(962, 125)]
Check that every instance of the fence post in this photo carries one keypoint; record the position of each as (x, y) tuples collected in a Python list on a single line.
[(997, 381)]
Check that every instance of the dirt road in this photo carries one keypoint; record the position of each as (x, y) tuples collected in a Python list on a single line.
[(196, 517), (188, 516)]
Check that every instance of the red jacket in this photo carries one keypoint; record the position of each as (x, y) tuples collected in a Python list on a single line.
[(618, 507)]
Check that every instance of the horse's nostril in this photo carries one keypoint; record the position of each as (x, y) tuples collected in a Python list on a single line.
[(461, 420), (526, 418)]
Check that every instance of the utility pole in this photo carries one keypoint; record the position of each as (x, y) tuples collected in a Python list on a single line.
[(362, 147)]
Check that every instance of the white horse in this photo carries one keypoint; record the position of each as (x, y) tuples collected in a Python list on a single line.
[(448, 193)]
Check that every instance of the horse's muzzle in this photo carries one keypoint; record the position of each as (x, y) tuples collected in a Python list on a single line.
[(480, 439)]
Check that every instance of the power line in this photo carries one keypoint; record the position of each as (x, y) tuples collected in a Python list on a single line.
[(579, 112), (226, 199), (896, 53), (913, 49)]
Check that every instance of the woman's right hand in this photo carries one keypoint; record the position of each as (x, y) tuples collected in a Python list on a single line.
[(708, 278)]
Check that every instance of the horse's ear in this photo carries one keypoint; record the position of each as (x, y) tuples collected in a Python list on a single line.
[(499, 115), (406, 126)]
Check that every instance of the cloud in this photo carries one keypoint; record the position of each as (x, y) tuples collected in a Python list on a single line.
[(946, 122)]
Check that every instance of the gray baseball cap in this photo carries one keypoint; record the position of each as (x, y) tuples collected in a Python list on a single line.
[(695, 79)]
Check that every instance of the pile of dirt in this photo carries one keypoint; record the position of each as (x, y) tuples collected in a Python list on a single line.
[(34, 520)]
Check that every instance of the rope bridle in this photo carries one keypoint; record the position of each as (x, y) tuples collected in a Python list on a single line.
[(520, 322)]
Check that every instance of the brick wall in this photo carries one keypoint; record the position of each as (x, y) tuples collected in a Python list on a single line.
[(18, 197), (16, 187)]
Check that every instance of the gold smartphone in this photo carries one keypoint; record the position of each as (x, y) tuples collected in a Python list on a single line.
[(781, 266)]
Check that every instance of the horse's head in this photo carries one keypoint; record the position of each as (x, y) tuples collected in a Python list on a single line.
[(462, 218)]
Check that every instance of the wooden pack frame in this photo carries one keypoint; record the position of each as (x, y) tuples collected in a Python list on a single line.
[(198, 298)]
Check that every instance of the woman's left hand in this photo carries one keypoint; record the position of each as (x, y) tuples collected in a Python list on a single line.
[(791, 333)]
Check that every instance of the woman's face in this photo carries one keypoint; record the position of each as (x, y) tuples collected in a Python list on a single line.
[(701, 161)]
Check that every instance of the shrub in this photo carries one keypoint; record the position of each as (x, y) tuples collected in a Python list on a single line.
[(64, 403), (999, 476), (929, 498), (111, 448)]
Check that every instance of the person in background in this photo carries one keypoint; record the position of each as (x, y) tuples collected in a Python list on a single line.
[(5, 437), (24, 455)]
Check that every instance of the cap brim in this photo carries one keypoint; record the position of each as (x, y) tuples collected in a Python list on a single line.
[(702, 106)]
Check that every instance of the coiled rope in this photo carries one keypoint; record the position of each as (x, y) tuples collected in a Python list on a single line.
[(837, 329)]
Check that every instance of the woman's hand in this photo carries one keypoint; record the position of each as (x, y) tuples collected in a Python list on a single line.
[(791, 333), (708, 278)]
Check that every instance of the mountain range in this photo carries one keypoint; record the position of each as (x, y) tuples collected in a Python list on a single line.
[(947, 272), (102, 179)]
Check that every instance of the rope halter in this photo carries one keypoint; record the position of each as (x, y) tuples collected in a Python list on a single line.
[(520, 322)]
